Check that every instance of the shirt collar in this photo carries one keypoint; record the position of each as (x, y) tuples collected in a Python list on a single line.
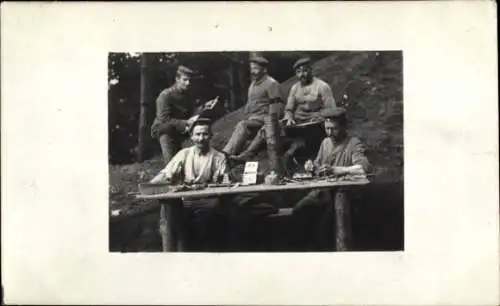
[(338, 142), (198, 152), (177, 93)]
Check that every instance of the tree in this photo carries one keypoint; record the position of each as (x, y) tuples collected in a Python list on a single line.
[(145, 101)]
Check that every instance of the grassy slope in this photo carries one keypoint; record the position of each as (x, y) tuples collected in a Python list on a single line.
[(369, 85)]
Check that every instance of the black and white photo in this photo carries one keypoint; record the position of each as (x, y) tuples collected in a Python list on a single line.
[(250, 153), (282, 151)]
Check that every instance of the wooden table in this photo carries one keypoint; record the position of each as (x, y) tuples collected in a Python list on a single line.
[(172, 210)]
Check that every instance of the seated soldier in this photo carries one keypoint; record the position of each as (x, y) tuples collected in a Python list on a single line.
[(176, 110), (339, 154), (262, 94), (198, 164), (307, 98)]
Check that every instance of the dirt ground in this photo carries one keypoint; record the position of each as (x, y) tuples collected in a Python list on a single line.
[(369, 86)]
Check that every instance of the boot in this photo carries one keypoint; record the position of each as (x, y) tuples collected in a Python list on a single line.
[(230, 160), (274, 144), (252, 149)]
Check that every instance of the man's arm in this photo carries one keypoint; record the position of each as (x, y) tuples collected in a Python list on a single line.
[(327, 96), (318, 161), (361, 164), (316, 165), (173, 168), (354, 169), (164, 112), (290, 103), (273, 92)]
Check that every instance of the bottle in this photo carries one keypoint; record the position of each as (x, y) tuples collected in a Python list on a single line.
[(226, 179)]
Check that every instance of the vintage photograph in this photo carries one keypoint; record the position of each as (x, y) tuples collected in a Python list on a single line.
[(256, 153), (272, 151)]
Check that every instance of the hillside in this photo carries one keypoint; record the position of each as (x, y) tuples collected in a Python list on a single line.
[(368, 84)]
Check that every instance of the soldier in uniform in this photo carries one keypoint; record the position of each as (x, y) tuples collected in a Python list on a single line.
[(175, 107), (339, 154), (263, 91), (308, 97)]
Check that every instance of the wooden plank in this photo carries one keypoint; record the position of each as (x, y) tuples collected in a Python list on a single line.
[(208, 192), (303, 124)]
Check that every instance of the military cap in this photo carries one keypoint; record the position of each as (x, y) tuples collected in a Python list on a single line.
[(302, 62), (185, 71), (333, 112), (259, 60)]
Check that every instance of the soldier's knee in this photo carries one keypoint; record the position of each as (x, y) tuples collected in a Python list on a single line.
[(168, 129), (242, 125)]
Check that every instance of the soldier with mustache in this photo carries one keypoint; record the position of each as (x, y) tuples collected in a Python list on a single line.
[(198, 164), (307, 99)]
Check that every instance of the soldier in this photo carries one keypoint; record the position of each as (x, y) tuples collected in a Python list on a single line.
[(339, 154), (263, 91), (175, 108), (198, 164), (306, 100)]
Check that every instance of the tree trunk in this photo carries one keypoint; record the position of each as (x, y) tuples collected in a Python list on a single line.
[(144, 135), (243, 84), (232, 83)]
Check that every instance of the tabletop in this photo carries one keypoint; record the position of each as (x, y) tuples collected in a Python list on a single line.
[(217, 191)]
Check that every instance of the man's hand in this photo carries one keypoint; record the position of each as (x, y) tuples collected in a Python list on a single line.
[(325, 170), (191, 120), (160, 178), (309, 166), (211, 103), (289, 120), (338, 170), (189, 123)]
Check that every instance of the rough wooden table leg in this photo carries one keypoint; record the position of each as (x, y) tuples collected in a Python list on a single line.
[(343, 230), (168, 241), (175, 217)]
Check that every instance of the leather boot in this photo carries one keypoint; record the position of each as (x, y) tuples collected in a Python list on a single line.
[(253, 148), (274, 142)]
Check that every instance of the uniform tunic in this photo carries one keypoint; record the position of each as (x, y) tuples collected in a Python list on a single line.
[(310, 211), (173, 108), (204, 214), (305, 102), (260, 95), (346, 153)]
